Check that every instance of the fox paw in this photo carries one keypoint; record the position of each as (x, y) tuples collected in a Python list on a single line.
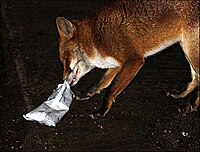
[(174, 93), (98, 114), (184, 109), (79, 98), (88, 95)]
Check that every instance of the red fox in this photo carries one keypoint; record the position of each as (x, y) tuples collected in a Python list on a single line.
[(121, 36)]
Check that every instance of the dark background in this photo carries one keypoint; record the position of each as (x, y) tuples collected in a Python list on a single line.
[(142, 119)]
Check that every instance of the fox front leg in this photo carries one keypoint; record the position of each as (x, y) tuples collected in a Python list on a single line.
[(120, 82), (104, 83)]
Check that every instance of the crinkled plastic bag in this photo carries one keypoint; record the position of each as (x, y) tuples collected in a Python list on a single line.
[(51, 111)]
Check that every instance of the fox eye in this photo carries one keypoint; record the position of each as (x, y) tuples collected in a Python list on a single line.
[(70, 70)]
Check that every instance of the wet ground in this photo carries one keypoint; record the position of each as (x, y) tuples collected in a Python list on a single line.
[(142, 119)]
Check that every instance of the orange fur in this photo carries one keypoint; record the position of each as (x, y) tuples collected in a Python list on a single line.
[(122, 35)]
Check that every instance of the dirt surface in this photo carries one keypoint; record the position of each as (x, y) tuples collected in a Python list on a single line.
[(142, 119)]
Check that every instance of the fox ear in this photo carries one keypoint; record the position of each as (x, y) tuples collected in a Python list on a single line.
[(65, 27)]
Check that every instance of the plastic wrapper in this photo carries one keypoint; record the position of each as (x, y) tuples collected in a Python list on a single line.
[(51, 111)]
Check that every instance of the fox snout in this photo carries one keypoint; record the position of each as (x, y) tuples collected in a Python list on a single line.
[(69, 77), (74, 74)]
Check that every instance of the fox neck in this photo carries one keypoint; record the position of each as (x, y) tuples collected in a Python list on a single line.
[(96, 56), (83, 36)]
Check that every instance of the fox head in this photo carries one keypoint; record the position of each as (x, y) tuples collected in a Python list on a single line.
[(72, 56)]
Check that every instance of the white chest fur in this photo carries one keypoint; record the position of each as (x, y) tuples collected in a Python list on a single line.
[(103, 62)]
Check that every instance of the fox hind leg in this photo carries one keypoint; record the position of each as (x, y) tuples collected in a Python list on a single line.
[(190, 45), (190, 87)]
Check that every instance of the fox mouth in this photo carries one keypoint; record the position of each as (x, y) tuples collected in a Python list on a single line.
[(73, 76), (74, 79), (77, 72)]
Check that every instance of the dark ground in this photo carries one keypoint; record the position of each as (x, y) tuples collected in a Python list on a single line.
[(142, 119)]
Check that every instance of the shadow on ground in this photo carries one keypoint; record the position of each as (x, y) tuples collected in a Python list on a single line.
[(142, 119)]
